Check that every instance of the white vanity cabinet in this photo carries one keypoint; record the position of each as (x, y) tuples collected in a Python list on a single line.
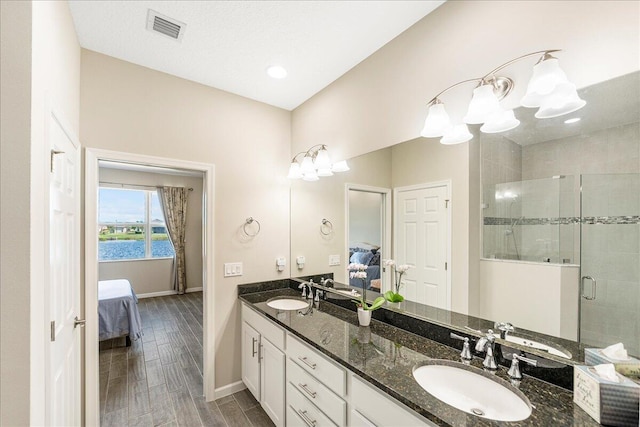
[(370, 407), (263, 363), (316, 387)]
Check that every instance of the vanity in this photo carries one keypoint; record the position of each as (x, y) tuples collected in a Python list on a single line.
[(315, 366)]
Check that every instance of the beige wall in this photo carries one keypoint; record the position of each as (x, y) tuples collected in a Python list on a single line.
[(154, 275), (130, 108), (40, 68), (15, 133), (313, 201)]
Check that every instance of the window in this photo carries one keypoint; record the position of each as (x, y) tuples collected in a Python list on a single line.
[(131, 225)]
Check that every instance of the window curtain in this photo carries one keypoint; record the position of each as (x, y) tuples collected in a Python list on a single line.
[(173, 201)]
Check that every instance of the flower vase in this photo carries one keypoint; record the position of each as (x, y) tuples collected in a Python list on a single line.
[(364, 316)]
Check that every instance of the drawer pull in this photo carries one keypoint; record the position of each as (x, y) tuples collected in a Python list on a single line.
[(306, 419), (306, 362), (253, 347), (306, 390)]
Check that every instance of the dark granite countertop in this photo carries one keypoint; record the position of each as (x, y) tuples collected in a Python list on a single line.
[(385, 356)]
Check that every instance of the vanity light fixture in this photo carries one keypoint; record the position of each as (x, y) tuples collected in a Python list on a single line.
[(315, 163), (549, 90)]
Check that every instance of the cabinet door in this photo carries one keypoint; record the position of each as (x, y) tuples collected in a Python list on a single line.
[(272, 381), (358, 420), (250, 361)]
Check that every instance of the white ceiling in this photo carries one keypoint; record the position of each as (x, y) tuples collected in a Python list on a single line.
[(229, 44)]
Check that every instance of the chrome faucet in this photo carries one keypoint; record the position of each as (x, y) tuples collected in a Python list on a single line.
[(504, 328), (487, 344), (304, 286), (514, 370), (327, 282), (465, 354)]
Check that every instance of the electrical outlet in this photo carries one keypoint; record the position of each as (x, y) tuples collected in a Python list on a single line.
[(334, 260), (232, 269)]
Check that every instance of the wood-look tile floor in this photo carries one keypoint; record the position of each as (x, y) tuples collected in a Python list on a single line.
[(158, 380)]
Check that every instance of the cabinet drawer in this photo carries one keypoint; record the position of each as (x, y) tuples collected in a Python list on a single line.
[(301, 412), (381, 409), (265, 327), (318, 394), (317, 365)]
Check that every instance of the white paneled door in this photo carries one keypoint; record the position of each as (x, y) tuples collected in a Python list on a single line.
[(422, 240), (63, 395)]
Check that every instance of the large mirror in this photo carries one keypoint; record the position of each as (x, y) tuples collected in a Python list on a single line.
[(538, 226)]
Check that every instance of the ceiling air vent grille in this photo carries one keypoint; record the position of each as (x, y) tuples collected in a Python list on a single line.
[(164, 25)]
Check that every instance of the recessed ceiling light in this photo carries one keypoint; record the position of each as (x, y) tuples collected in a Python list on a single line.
[(277, 72), (573, 120)]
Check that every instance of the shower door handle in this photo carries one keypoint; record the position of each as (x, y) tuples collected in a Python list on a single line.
[(593, 288)]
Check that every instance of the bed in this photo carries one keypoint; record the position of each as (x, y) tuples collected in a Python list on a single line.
[(370, 256), (118, 311)]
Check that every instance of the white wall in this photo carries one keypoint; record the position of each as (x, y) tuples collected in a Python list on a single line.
[(365, 218), (154, 275), (535, 296), (40, 67), (130, 108)]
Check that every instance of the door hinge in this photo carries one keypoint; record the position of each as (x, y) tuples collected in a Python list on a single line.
[(53, 154), (53, 330), (445, 266), (446, 203)]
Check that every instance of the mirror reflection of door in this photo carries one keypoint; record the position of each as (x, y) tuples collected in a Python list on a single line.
[(422, 240), (367, 232)]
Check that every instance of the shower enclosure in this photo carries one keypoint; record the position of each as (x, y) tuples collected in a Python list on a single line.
[(592, 220), (610, 260)]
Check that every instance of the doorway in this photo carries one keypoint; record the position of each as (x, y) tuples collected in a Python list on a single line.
[(92, 184), (422, 239), (368, 232)]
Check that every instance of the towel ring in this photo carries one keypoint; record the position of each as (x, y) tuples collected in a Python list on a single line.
[(326, 228), (250, 221)]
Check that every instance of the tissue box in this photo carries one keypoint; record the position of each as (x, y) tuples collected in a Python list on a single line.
[(628, 368), (607, 402)]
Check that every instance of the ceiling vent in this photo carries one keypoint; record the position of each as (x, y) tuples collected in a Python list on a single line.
[(164, 25)]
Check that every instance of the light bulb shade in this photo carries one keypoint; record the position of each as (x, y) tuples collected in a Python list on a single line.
[(547, 75), (294, 171), (500, 122), (324, 172), (311, 176), (456, 134), (340, 166), (483, 105), (307, 165), (437, 122), (322, 160), (563, 100)]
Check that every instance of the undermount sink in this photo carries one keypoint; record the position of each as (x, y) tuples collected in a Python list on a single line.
[(537, 345), (287, 303), (472, 390)]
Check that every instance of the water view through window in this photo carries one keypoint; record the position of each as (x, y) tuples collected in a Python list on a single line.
[(131, 225)]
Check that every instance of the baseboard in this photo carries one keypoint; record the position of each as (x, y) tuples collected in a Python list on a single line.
[(166, 293), (156, 294), (229, 389)]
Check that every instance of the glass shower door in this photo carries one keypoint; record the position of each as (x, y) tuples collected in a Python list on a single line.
[(610, 260)]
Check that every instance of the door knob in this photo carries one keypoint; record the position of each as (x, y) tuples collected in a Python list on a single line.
[(78, 322)]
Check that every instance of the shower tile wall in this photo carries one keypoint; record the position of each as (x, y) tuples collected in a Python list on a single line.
[(614, 150), (501, 163)]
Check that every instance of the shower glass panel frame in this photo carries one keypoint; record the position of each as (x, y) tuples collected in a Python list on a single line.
[(610, 260)]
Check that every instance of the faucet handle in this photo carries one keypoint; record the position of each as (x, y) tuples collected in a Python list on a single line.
[(514, 370), (466, 351), (504, 327)]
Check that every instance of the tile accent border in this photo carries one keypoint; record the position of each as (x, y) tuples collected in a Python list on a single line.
[(590, 220)]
